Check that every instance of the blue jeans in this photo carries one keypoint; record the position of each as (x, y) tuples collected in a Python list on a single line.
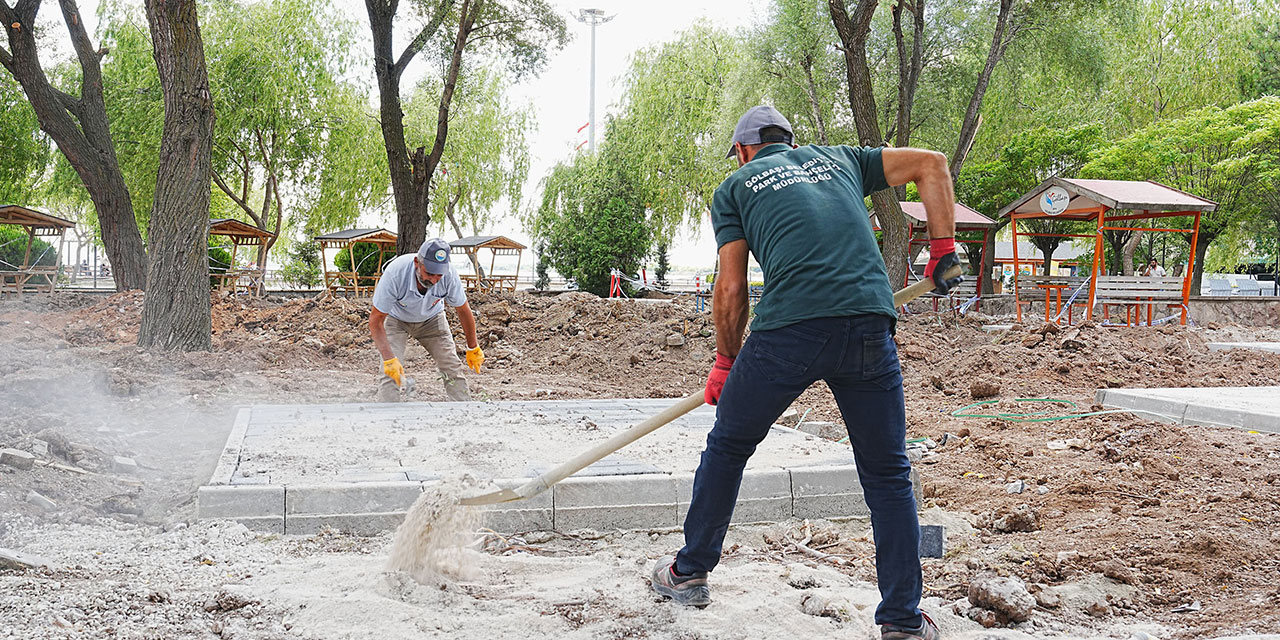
[(857, 358)]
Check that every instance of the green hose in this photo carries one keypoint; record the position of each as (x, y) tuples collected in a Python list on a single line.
[(1027, 417)]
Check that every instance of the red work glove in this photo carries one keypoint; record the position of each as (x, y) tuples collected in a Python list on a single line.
[(942, 256), (715, 380)]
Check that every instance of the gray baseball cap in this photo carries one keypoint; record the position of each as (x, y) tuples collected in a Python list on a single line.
[(755, 119), (434, 256)]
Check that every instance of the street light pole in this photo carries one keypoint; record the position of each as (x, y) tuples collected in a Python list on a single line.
[(592, 17)]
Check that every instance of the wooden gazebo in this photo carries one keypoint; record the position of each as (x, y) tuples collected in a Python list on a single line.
[(336, 281), (31, 275), (966, 220), (498, 246), (1112, 205), (241, 233)]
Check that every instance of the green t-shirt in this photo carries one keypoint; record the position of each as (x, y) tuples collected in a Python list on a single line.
[(802, 214)]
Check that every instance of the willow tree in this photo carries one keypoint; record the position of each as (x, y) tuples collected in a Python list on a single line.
[(671, 136), (26, 150), (78, 123), (519, 32), (275, 71), (486, 159), (176, 311)]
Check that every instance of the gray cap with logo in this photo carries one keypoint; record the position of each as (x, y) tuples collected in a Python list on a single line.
[(434, 256), (757, 118)]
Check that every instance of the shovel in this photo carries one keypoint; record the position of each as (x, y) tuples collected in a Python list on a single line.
[(620, 440)]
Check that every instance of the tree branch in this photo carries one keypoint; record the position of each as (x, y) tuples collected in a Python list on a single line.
[(6, 60), (419, 41), (90, 69), (217, 179)]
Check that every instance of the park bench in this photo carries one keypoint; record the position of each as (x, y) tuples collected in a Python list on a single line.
[(36, 279), (1137, 293), (1057, 291)]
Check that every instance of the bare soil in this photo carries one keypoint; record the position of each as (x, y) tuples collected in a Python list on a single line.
[(1140, 517)]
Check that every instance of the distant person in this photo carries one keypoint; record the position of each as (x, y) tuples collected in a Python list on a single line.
[(408, 302), (1154, 269), (822, 316)]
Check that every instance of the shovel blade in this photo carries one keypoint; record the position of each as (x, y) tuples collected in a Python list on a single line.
[(504, 495)]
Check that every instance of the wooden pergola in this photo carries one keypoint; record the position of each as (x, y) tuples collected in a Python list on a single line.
[(966, 220), (1112, 205), (499, 246), (336, 281), (30, 275), (240, 233)]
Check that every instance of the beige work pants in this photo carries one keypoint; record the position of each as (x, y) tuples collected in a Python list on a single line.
[(434, 335)]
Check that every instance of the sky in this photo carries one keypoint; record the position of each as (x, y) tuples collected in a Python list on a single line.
[(560, 94)]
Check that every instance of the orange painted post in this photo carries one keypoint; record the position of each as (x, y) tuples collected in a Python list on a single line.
[(1093, 276), (1013, 227), (1191, 267)]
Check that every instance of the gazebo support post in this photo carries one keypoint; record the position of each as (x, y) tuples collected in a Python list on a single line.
[(1013, 228), (1191, 267)]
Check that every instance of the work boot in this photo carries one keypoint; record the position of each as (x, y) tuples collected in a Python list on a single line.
[(691, 590), (926, 631)]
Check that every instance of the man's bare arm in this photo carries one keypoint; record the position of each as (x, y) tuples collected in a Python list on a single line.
[(730, 308), (928, 169), (378, 329)]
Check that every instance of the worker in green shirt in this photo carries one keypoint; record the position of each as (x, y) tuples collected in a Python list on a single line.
[(826, 313)]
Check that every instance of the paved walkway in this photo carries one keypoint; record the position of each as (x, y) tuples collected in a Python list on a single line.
[(1272, 347), (358, 467), (1253, 408)]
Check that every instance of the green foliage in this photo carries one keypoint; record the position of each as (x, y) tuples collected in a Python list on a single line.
[(543, 280), (367, 261), (672, 133), (26, 149), (285, 111), (303, 267), (219, 262), (660, 272), (486, 156), (590, 222), (13, 247)]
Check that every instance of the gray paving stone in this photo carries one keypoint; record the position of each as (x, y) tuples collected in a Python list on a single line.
[(17, 458), (827, 492), (1272, 347), (240, 502), (1252, 408), (11, 560), (522, 515), (254, 480), (414, 475), (615, 502), (229, 459), (610, 466), (932, 541), (763, 496), (350, 498), (361, 524), (370, 476), (260, 508)]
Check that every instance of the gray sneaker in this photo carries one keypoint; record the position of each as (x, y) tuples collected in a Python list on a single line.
[(926, 631), (689, 590)]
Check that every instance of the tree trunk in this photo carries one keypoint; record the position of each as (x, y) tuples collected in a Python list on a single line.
[(475, 262), (814, 104), (176, 313), (411, 177), (1197, 274), (79, 127), (969, 127), (853, 31), (1130, 248)]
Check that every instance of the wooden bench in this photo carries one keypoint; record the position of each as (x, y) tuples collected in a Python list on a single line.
[(1137, 292), (958, 295), (38, 279), (1056, 288)]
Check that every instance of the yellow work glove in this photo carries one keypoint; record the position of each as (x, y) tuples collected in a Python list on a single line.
[(475, 357), (394, 370)]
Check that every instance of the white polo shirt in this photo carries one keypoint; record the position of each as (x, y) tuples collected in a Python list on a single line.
[(397, 292)]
